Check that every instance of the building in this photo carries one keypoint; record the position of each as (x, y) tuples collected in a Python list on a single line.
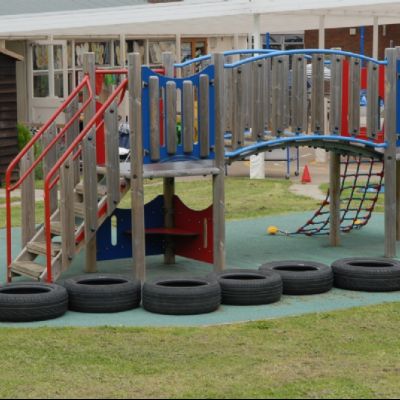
[(52, 35), (8, 108)]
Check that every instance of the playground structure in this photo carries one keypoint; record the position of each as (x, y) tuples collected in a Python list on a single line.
[(269, 110)]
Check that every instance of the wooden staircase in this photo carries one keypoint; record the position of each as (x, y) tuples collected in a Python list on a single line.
[(31, 262), (82, 183)]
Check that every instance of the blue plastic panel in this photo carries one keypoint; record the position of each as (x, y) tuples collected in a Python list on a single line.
[(180, 155), (155, 245)]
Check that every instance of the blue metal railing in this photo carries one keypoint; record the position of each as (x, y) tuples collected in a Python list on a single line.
[(307, 52)]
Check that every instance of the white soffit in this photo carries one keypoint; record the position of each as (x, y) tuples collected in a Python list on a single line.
[(203, 17)]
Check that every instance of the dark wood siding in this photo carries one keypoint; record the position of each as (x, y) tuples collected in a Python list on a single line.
[(8, 113)]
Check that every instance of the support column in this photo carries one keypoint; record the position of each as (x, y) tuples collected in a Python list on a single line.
[(219, 180), (137, 190), (375, 39), (169, 183), (398, 201), (334, 199), (257, 162), (392, 55), (89, 67)]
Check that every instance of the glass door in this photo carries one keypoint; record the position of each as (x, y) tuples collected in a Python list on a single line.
[(48, 62)]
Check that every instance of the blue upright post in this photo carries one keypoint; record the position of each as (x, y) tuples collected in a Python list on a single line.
[(267, 41)]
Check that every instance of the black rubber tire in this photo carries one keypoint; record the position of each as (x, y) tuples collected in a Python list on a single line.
[(103, 293), (243, 287), (180, 296), (367, 274), (32, 301), (302, 277)]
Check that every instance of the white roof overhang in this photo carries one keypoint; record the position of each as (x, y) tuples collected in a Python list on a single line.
[(205, 17)]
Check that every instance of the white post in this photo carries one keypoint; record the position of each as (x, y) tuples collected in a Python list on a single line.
[(320, 154), (257, 163), (178, 53), (375, 39)]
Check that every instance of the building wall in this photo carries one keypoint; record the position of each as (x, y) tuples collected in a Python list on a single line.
[(8, 113), (388, 35), (20, 47)]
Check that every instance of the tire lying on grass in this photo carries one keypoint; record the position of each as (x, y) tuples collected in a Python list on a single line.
[(367, 274), (302, 277), (246, 287), (190, 296), (103, 293), (32, 301)]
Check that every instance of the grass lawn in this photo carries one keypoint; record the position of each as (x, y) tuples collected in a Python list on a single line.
[(348, 354), (244, 198)]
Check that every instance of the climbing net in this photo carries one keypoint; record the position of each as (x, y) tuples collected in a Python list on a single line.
[(359, 192)]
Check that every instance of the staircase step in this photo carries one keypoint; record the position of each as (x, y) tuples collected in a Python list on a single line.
[(40, 248), (79, 209), (28, 268), (101, 189)]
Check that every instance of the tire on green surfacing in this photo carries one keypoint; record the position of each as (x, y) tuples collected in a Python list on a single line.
[(103, 293), (32, 301), (190, 296), (367, 274), (245, 287), (302, 277)]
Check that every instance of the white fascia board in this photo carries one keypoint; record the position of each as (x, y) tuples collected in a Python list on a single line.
[(196, 17)]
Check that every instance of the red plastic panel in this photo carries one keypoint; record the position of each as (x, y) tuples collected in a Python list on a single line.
[(198, 247), (100, 138)]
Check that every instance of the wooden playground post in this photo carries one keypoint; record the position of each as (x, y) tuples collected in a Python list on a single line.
[(391, 222), (169, 183), (135, 121), (334, 196), (219, 180), (334, 163), (90, 170)]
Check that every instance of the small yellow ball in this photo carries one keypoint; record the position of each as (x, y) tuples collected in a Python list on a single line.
[(272, 230), (358, 222)]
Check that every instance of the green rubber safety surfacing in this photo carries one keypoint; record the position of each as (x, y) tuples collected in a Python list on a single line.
[(248, 246)]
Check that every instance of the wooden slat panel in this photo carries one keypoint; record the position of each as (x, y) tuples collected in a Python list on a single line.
[(278, 96), (372, 101), (112, 158), (204, 116), (154, 88), (299, 95), (48, 163), (188, 116), (170, 110), (257, 103), (67, 215), (267, 93), (286, 99), (335, 120), (239, 101), (90, 185), (229, 87), (27, 199), (317, 95), (354, 96)]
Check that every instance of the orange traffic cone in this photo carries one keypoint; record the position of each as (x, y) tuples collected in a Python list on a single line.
[(306, 178)]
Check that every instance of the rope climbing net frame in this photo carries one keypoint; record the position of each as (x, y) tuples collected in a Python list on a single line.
[(359, 193)]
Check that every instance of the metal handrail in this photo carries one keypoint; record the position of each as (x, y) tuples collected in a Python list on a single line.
[(49, 183), (10, 188), (305, 52)]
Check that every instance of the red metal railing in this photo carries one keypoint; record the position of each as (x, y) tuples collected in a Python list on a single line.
[(50, 182), (9, 187)]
